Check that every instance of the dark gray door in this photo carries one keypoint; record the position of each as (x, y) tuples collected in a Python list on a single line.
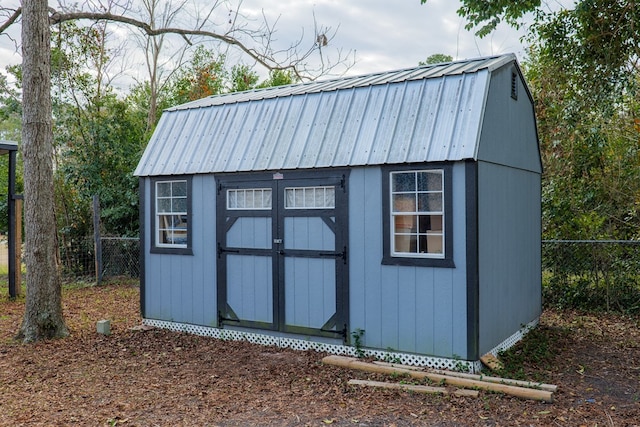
[(282, 253)]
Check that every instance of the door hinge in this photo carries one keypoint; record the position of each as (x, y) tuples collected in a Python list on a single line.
[(342, 254), (220, 250)]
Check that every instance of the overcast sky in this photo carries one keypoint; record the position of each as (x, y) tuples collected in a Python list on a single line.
[(384, 34), (388, 34)]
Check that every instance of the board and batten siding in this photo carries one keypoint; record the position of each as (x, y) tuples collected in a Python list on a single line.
[(408, 309), (182, 288), (509, 212), (509, 252), (508, 135)]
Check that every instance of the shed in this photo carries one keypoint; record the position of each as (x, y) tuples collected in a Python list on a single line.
[(10, 148), (398, 212)]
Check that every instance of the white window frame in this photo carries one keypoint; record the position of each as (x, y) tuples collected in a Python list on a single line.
[(249, 203), (177, 217), (419, 235), (315, 197)]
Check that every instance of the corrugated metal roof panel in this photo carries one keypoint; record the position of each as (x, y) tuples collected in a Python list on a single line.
[(424, 114)]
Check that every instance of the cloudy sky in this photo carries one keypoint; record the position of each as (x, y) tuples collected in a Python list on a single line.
[(383, 34), (388, 34)]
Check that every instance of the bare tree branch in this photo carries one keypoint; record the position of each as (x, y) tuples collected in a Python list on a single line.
[(57, 17), (292, 58), (13, 18)]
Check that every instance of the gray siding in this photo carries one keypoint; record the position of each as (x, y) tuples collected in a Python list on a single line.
[(410, 309), (181, 288), (509, 251), (509, 135), (509, 212)]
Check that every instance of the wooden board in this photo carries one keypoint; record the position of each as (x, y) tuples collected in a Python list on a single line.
[(492, 362), (414, 387), (522, 392)]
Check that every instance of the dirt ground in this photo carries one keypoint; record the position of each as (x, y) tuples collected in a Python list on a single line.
[(161, 378)]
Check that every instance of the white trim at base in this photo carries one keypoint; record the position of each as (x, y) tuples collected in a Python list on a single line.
[(302, 344), (513, 339)]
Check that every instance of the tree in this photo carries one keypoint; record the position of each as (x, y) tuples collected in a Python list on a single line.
[(43, 317), (583, 71), (43, 312), (436, 58), (490, 13)]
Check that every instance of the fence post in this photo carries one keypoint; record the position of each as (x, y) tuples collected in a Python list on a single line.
[(18, 255), (97, 242)]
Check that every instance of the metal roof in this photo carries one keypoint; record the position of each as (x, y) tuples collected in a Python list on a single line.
[(424, 114)]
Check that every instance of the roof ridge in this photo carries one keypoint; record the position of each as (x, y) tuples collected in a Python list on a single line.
[(382, 77)]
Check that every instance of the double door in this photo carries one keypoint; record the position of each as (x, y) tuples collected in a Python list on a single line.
[(282, 253)]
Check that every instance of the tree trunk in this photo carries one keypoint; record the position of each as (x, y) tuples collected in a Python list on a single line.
[(43, 313)]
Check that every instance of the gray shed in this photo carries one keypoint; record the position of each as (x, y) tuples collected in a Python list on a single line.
[(402, 207)]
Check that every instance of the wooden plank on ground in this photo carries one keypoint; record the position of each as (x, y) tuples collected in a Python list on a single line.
[(492, 362), (522, 392), (520, 383), (414, 387)]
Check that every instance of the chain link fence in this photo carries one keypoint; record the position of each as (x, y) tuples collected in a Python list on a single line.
[(592, 274), (120, 257), (584, 274)]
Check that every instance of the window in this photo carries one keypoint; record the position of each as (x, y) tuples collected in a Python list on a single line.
[(172, 215), (249, 198), (310, 197), (417, 217)]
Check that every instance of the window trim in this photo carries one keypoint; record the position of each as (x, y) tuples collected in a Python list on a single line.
[(169, 249), (445, 261)]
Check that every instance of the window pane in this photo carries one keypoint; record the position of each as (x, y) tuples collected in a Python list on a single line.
[(309, 197), (430, 202), (404, 203), (431, 244), (164, 205), (241, 199), (430, 181), (404, 182), (232, 199), (179, 205), (163, 189), (405, 243), (299, 198), (179, 189), (330, 197), (436, 223), (319, 197), (267, 199), (249, 199), (405, 223)]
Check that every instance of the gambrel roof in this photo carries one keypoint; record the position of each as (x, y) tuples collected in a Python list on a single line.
[(424, 114)]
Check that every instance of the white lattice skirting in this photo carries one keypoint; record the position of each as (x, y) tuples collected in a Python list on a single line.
[(513, 339), (301, 344)]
